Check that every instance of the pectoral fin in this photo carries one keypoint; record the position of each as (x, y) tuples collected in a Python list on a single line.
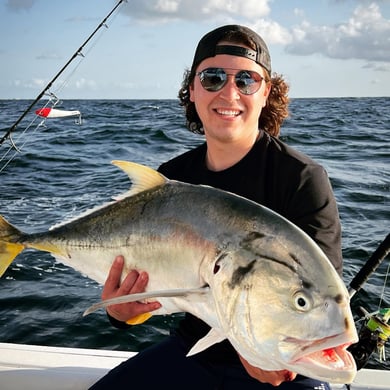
[(183, 292), (213, 337)]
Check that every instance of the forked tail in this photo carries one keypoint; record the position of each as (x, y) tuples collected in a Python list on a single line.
[(9, 248)]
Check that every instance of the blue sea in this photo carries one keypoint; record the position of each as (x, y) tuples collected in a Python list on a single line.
[(63, 169)]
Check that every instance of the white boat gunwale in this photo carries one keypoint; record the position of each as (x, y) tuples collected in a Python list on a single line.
[(39, 367)]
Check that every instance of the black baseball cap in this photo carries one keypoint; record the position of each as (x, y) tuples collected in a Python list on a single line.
[(208, 46)]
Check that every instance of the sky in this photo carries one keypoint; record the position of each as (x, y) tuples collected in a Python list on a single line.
[(323, 48)]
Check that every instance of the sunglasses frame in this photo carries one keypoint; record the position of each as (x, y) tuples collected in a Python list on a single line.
[(217, 87)]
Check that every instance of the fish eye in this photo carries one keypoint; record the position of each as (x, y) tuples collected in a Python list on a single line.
[(302, 301)]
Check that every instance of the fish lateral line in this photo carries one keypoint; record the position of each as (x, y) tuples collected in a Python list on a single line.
[(181, 292)]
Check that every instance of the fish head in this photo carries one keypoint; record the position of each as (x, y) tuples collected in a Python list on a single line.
[(283, 306)]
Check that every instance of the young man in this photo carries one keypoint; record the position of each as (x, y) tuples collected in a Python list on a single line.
[(231, 97)]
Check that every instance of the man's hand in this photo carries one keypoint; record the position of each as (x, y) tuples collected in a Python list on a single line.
[(134, 282), (275, 378)]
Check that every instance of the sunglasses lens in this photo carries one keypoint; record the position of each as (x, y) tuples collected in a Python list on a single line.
[(248, 82), (214, 79)]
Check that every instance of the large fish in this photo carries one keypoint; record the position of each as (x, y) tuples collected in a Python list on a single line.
[(253, 276)]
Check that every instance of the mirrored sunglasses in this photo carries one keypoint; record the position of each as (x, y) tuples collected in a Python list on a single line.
[(214, 79)]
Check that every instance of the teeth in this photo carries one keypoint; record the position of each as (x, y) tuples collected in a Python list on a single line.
[(228, 112)]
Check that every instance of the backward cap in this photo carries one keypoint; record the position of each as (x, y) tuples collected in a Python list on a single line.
[(207, 46)]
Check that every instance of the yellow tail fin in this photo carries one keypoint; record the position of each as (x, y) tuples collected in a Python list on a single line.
[(8, 250)]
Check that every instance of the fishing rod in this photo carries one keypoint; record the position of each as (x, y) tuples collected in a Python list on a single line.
[(371, 265), (375, 330), (48, 86)]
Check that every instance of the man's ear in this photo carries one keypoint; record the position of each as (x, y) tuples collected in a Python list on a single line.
[(267, 91), (192, 92)]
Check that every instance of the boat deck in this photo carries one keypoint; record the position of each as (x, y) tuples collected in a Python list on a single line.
[(41, 368)]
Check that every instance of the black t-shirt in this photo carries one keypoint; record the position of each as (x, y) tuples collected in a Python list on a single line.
[(278, 177)]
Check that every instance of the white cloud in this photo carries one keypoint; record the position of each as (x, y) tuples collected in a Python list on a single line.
[(272, 32), (364, 36), (253, 13), (378, 67), (48, 56), (18, 5), (299, 12), (165, 10), (249, 9), (34, 83), (84, 83)]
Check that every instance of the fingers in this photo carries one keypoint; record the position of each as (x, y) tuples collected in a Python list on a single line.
[(114, 276), (134, 282)]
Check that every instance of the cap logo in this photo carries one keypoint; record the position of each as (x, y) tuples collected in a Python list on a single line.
[(236, 51)]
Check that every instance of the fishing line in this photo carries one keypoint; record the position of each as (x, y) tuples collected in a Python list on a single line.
[(78, 52), (64, 83), (53, 99), (384, 287), (375, 330), (18, 149), (84, 55), (370, 266)]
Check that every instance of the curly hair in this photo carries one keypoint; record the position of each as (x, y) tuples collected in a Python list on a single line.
[(272, 115)]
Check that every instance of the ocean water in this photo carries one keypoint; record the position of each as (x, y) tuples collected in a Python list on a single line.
[(63, 169)]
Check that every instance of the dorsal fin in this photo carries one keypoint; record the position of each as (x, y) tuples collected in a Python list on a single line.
[(142, 177)]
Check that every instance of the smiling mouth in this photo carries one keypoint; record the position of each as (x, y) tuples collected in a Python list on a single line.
[(229, 113)]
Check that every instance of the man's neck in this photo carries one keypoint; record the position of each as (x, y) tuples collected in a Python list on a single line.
[(221, 156)]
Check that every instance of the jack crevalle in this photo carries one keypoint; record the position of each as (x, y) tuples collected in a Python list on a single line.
[(253, 276)]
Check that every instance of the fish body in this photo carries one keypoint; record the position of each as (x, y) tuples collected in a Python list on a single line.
[(253, 276)]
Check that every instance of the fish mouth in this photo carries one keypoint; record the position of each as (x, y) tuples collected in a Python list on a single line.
[(329, 353), (335, 358)]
